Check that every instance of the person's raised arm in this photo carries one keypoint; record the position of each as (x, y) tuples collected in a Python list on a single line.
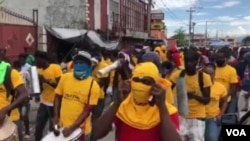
[(168, 130), (107, 119)]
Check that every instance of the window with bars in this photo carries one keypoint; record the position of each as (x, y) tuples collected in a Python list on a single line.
[(133, 16)]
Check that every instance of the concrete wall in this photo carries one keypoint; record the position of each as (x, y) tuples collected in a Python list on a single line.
[(59, 13), (54, 13)]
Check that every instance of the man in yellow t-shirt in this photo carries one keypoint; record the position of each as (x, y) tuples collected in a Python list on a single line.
[(7, 106), (49, 75), (103, 83), (227, 75), (76, 95), (198, 98), (216, 107)]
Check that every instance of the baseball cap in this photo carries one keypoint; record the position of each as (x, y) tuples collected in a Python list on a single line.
[(84, 56)]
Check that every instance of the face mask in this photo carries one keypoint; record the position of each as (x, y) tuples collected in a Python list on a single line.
[(220, 63), (81, 72), (140, 92)]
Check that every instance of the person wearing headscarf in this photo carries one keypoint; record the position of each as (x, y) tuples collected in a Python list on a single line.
[(154, 58), (174, 56), (141, 111)]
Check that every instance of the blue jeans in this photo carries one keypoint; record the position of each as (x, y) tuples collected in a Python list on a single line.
[(213, 129), (233, 104)]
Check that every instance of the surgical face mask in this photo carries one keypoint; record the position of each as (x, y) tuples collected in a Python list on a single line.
[(81, 71)]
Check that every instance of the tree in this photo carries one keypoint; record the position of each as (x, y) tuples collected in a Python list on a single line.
[(246, 41), (180, 36)]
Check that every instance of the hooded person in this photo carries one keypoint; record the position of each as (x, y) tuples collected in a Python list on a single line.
[(154, 58), (174, 56), (135, 118)]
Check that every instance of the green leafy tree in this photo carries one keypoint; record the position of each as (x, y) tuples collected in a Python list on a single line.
[(246, 41), (180, 36)]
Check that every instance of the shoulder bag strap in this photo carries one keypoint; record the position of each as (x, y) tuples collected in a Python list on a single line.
[(90, 88), (201, 83)]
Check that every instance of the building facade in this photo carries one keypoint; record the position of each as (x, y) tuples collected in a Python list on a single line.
[(55, 13), (130, 22), (158, 27), (231, 40), (112, 19)]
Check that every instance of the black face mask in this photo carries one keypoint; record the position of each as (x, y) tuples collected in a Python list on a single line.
[(220, 63)]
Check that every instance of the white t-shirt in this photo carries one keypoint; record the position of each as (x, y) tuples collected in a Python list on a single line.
[(25, 67), (27, 80)]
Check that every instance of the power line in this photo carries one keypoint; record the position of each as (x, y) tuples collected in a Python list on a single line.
[(170, 13)]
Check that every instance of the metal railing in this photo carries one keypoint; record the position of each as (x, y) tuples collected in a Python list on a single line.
[(9, 17)]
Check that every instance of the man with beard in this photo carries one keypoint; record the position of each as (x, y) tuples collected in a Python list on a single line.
[(198, 85)]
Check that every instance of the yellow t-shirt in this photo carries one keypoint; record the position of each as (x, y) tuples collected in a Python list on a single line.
[(69, 68), (196, 109), (51, 73), (75, 98), (182, 58), (218, 91), (226, 76), (169, 93), (100, 66), (172, 78), (16, 80)]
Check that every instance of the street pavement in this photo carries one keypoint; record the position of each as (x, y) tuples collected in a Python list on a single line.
[(33, 113)]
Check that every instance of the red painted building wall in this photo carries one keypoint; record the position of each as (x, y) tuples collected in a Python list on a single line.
[(91, 14), (13, 39), (103, 14)]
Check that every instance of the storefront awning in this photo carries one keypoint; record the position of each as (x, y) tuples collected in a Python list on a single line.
[(83, 37)]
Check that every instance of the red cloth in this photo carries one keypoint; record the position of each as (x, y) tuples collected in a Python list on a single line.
[(128, 133), (177, 59)]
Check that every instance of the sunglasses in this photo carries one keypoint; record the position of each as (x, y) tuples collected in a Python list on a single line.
[(145, 80)]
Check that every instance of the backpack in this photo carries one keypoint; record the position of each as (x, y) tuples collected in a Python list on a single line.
[(200, 77)]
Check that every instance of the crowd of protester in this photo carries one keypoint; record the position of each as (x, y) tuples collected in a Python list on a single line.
[(149, 90)]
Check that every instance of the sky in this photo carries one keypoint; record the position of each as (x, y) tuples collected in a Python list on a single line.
[(225, 17)]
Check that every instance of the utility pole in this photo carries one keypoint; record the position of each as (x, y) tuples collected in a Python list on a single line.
[(150, 2), (206, 36), (191, 11)]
